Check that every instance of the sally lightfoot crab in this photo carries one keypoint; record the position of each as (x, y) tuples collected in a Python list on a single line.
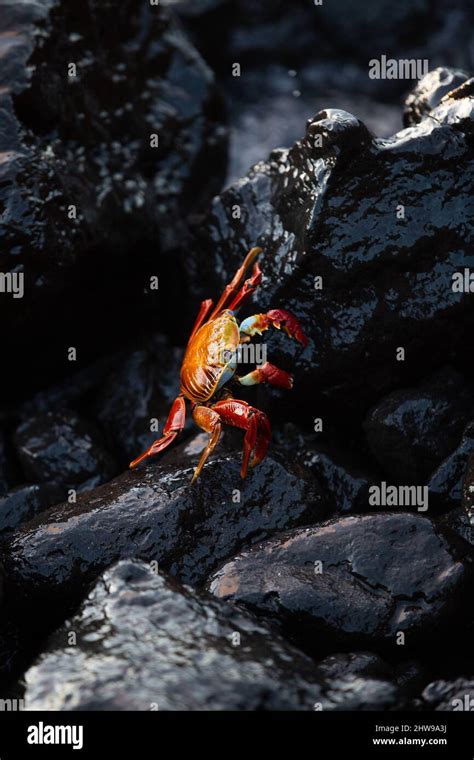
[(210, 364)]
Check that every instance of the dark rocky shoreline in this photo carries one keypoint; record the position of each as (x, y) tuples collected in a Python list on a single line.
[(293, 588)]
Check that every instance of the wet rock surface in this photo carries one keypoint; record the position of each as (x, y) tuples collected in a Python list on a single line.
[(142, 640), (359, 578), (467, 494), (141, 389), (80, 175), (4, 467), (63, 449), (345, 486), (411, 431), (354, 692), (429, 91), (156, 515), (453, 695), (11, 648), (458, 521), (445, 484), (22, 503), (362, 237), (281, 84), (358, 681), (399, 263)]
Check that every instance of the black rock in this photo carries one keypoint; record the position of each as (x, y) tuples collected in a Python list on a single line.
[(72, 390), (429, 91), (355, 579), (124, 391), (4, 465), (24, 502), (456, 695), (269, 104), (145, 643), (445, 484), (410, 676), (64, 449), (281, 85), (10, 651), (425, 29), (461, 519), (383, 23), (82, 139), (355, 663), (156, 514), (251, 30), (360, 693), (329, 207), (458, 521), (345, 485), (411, 431), (141, 387), (467, 496), (337, 32)]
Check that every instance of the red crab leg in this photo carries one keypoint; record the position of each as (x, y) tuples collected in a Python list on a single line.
[(279, 318), (234, 285), (247, 289), (254, 422), (208, 420), (174, 425), (204, 310), (268, 373)]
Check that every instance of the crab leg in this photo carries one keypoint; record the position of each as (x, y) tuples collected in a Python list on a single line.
[(267, 373), (204, 310), (233, 286), (207, 420), (278, 318), (247, 289), (254, 422), (174, 425)]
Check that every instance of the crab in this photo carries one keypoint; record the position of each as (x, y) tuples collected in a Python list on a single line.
[(210, 364)]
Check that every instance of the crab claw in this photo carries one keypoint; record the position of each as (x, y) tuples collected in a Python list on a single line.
[(256, 425), (280, 318), (256, 440), (268, 373)]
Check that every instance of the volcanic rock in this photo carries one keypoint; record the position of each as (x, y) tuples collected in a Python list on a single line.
[(429, 91), (140, 388), (24, 502), (109, 141), (411, 431), (145, 643), (456, 695), (345, 485), (445, 484), (155, 514), (353, 247), (467, 495), (356, 579), (61, 448)]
